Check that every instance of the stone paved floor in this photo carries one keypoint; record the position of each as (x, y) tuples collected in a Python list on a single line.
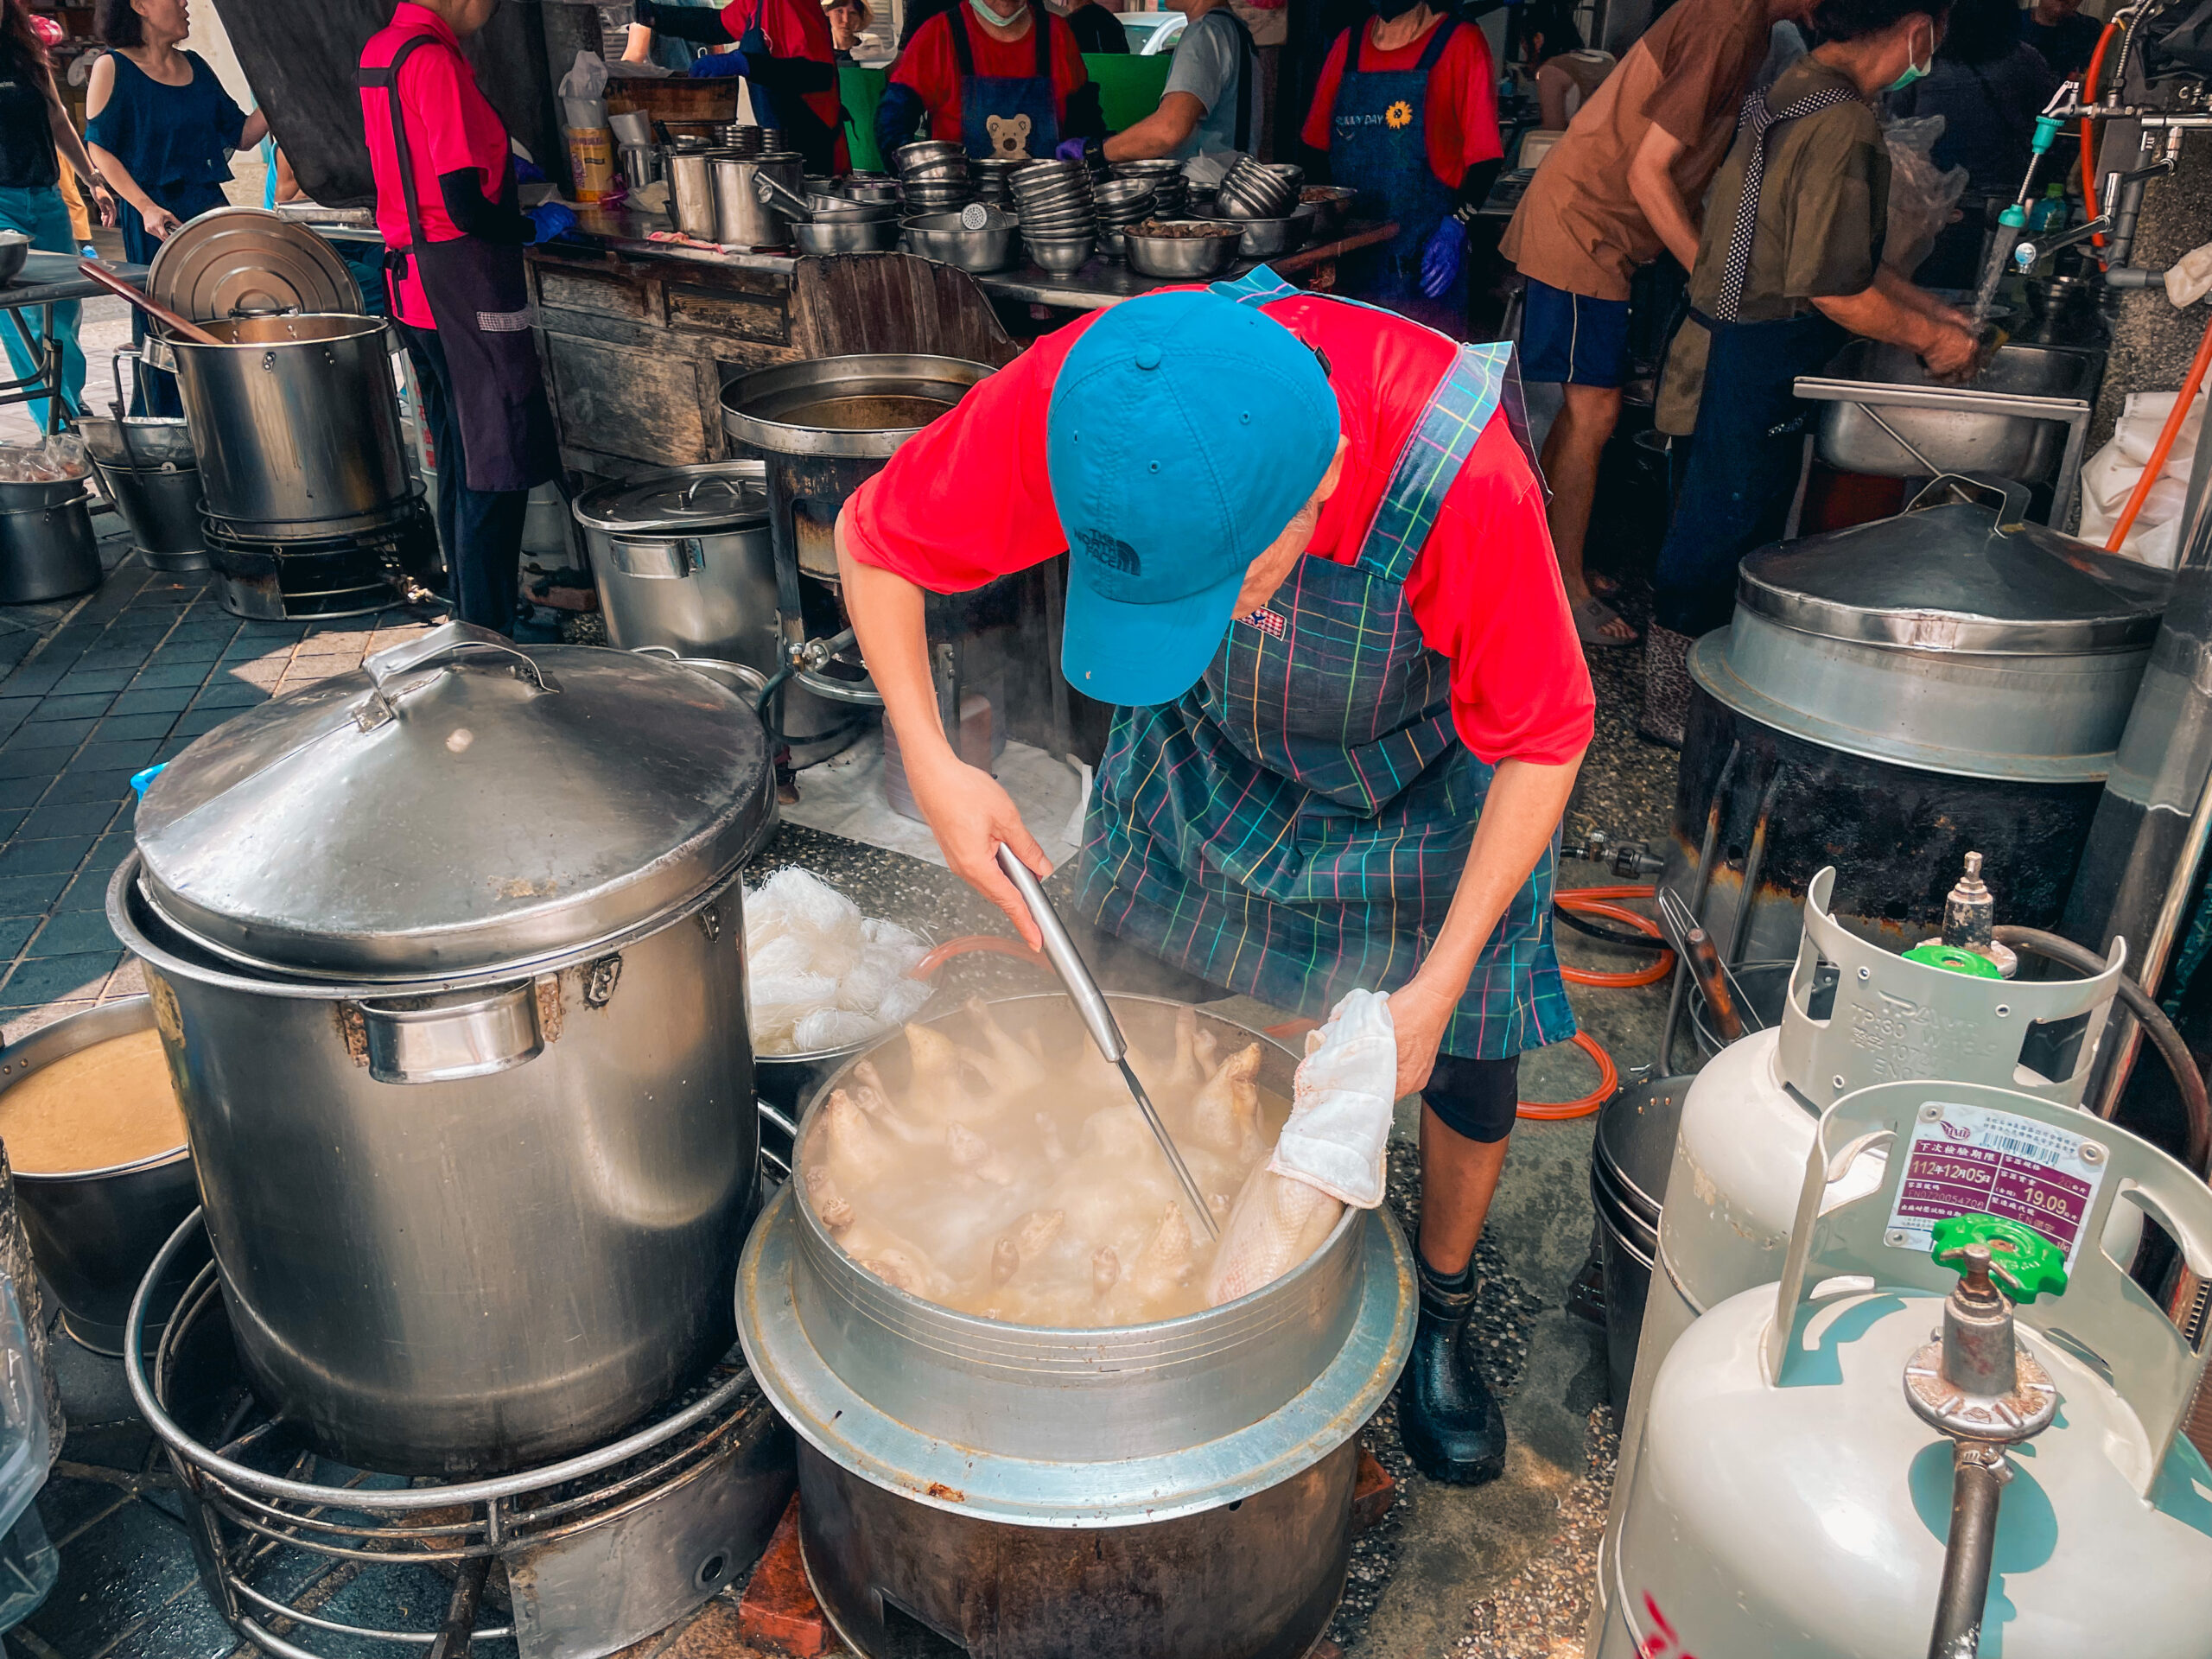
[(99, 691)]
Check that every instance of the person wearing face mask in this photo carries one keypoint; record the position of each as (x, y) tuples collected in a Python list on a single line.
[(1789, 266), (999, 78), (1307, 563), (789, 61), (454, 236), (1406, 113)]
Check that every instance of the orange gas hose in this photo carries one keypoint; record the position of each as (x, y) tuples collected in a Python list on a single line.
[(1591, 901), (2088, 129), (2167, 433), (1609, 1079)]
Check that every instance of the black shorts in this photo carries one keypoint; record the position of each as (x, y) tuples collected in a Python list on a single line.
[(1478, 1099)]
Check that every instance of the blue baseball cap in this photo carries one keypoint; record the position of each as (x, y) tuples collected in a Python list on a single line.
[(1184, 433)]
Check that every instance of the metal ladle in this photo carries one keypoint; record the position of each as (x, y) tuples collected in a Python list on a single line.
[(1098, 1019)]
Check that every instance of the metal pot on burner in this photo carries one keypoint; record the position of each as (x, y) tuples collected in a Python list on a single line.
[(447, 956), (1207, 1461)]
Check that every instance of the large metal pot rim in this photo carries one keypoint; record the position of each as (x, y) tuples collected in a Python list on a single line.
[(824, 376), (984, 1486), (1710, 669), (72, 1034), (1080, 1335), (362, 328), (273, 981)]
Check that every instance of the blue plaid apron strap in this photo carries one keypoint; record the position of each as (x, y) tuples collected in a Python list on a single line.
[(1438, 446)]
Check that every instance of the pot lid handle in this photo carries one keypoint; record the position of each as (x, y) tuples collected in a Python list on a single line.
[(445, 643), (1952, 487)]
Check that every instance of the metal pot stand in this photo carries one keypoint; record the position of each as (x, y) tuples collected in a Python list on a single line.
[(587, 1555)]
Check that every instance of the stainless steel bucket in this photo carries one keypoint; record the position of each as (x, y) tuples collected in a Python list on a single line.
[(295, 419), (46, 547), (945, 1457), (94, 1231), (742, 219), (1629, 1161), (162, 507), (691, 194)]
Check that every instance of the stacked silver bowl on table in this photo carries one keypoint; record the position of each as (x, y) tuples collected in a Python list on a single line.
[(1171, 190), (993, 180), (1059, 222), (1264, 198), (1121, 203), (1181, 250), (934, 176), (749, 141), (950, 240)]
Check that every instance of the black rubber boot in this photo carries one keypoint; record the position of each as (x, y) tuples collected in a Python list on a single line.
[(1447, 1416)]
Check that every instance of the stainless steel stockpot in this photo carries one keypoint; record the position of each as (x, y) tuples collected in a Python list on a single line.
[(296, 420), (94, 1231), (1208, 1458), (446, 957), (682, 557)]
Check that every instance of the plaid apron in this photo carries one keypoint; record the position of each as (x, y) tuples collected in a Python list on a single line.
[(1293, 827)]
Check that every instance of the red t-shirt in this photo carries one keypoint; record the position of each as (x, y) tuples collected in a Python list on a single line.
[(1461, 115), (969, 498), (928, 66), (793, 29), (450, 126)]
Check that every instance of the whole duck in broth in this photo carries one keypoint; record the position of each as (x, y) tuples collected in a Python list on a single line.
[(1023, 1185)]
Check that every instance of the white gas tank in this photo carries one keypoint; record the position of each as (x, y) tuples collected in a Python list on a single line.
[(1786, 1502)]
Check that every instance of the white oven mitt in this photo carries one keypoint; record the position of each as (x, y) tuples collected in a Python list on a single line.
[(1340, 1103)]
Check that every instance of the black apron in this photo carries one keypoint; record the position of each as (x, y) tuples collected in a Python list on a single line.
[(479, 296)]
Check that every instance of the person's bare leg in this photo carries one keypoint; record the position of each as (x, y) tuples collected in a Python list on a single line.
[(1573, 449), (1459, 1177)]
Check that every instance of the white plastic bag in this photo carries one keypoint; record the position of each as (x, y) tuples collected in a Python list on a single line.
[(2109, 476), (583, 92), (2189, 279), (1922, 199)]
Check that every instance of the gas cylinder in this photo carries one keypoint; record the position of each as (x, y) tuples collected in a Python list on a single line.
[(1876, 1456), (1855, 1014)]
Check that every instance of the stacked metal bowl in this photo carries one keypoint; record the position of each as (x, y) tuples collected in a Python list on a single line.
[(1059, 223), (993, 180), (934, 176), (1120, 203), (1259, 190), (950, 240), (751, 141), (1171, 190)]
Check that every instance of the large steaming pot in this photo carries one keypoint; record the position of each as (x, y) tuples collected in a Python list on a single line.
[(445, 955), (1206, 1462), (295, 419), (1891, 697)]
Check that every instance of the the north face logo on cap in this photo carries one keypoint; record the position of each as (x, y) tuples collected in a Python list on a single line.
[(1112, 552)]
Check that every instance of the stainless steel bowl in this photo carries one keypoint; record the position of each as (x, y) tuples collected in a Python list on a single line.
[(94, 1231), (1332, 204), (829, 236), (943, 238), (1062, 256), (138, 440), (1180, 257), (1263, 239), (14, 248)]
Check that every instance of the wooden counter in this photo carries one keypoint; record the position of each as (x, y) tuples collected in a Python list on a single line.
[(638, 337)]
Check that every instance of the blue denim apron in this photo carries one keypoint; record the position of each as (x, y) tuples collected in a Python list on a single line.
[(1007, 100), (1294, 828), (1378, 146)]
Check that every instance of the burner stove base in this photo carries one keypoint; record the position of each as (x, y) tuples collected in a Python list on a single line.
[(576, 1560), (268, 579)]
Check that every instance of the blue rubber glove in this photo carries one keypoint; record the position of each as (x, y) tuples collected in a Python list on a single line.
[(1442, 258), (1070, 150), (719, 66), (528, 172), (550, 218)]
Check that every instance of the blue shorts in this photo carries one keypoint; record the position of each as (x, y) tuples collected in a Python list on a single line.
[(1573, 338)]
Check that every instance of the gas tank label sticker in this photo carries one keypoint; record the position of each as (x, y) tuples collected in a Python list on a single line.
[(1976, 1161)]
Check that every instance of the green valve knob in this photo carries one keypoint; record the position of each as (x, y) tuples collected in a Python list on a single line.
[(1953, 960), (2023, 1263), (2014, 218), (2047, 129)]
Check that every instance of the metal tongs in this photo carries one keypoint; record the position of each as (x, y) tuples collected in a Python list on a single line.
[(1098, 1019)]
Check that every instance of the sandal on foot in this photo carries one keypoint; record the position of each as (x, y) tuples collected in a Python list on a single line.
[(1590, 617)]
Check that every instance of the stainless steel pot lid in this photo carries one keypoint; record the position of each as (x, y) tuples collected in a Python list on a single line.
[(457, 804), (1946, 579), (702, 500), (231, 262)]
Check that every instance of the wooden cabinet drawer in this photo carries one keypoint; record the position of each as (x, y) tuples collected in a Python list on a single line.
[(647, 405)]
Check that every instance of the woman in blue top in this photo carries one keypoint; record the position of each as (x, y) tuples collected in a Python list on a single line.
[(161, 128)]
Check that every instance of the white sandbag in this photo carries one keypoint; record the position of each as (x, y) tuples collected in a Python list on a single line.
[(2109, 476)]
